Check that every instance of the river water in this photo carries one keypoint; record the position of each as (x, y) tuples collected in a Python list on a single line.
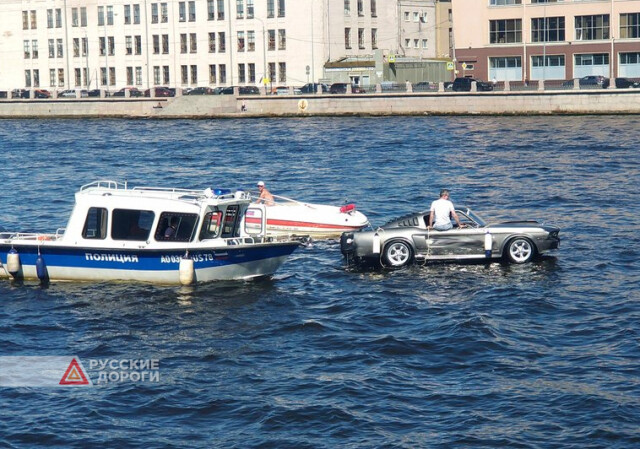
[(537, 356)]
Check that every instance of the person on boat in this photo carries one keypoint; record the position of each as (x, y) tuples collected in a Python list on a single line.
[(170, 232), (441, 212), (265, 196)]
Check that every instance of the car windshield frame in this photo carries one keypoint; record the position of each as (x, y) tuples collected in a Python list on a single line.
[(472, 216)]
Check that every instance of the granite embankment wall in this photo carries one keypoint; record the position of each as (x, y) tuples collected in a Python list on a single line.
[(607, 101)]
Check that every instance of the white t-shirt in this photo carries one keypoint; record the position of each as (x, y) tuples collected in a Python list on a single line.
[(441, 208)]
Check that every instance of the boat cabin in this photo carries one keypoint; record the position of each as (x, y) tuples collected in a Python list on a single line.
[(108, 214)]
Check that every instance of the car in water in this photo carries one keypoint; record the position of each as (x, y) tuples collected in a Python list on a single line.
[(408, 239), (133, 92), (464, 85), (625, 83)]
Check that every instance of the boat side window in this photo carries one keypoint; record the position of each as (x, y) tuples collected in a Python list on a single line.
[(129, 224), (230, 222), (175, 227), (211, 225), (95, 226), (253, 221)]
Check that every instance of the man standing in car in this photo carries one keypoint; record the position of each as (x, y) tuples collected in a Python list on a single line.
[(441, 211)]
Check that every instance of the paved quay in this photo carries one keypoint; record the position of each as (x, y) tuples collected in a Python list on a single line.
[(572, 101)]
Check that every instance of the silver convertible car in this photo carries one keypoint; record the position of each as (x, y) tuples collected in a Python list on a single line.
[(408, 239)]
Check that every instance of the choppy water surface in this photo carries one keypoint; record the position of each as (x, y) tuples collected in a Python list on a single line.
[(537, 356)]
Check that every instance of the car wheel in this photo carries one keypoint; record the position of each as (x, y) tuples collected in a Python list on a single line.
[(520, 250), (398, 254)]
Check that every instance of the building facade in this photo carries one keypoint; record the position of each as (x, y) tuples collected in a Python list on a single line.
[(546, 39), (70, 44)]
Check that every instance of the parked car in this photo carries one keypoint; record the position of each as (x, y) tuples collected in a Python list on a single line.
[(248, 90), (72, 93), (285, 90), (408, 239), (464, 85), (423, 86), (19, 93), (41, 93), (312, 88), (200, 91), (595, 81), (624, 83), (96, 93), (159, 92), (133, 92), (341, 88), (218, 90)]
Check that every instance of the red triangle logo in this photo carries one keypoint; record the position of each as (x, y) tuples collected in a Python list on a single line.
[(74, 375)]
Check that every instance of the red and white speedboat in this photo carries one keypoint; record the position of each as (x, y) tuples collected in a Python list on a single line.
[(291, 217)]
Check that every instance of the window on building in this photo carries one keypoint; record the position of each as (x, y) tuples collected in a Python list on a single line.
[(164, 13), (239, 9), (52, 48), (282, 72), (251, 41), (504, 2), (49, 19), (590, 28), (183, 43), (374, 9), (416, 16), (192, 11), (630, 26), (240, 40), (347, 7), (211, 11), (547, 29), (193, 43), (103, 76), (78, 77), (220, 9), (36, 78), (27, 51), (76, 47), (416, 43), (165, 44), (112, 45), (374, 38), (552, 61), (136, 14), (85, 46), (127, 14), (591, 59), (212, 42), (282, 39), (109, 15), (130, 76), (281, 10), (52, 77), (425, 44), (212, 74), (407, 43), (242, 75), (272, 40), (194, 75), (407, 16), (74, 17), (184, 74), (34, 49), (222, 42), (250, 9), (25, 20), (361, 38), (60, 77), (252, 73), (629, 58), (112, 76), (128, 45), (360, 8), (154, 13), (347, 38), (271, 8), (83, 16), (137, 40), (505, 31), (182, 11), (272, 71), (165, 74), (60, 48), (156, 44), (222, 74), (100, 15), (156, 75)]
